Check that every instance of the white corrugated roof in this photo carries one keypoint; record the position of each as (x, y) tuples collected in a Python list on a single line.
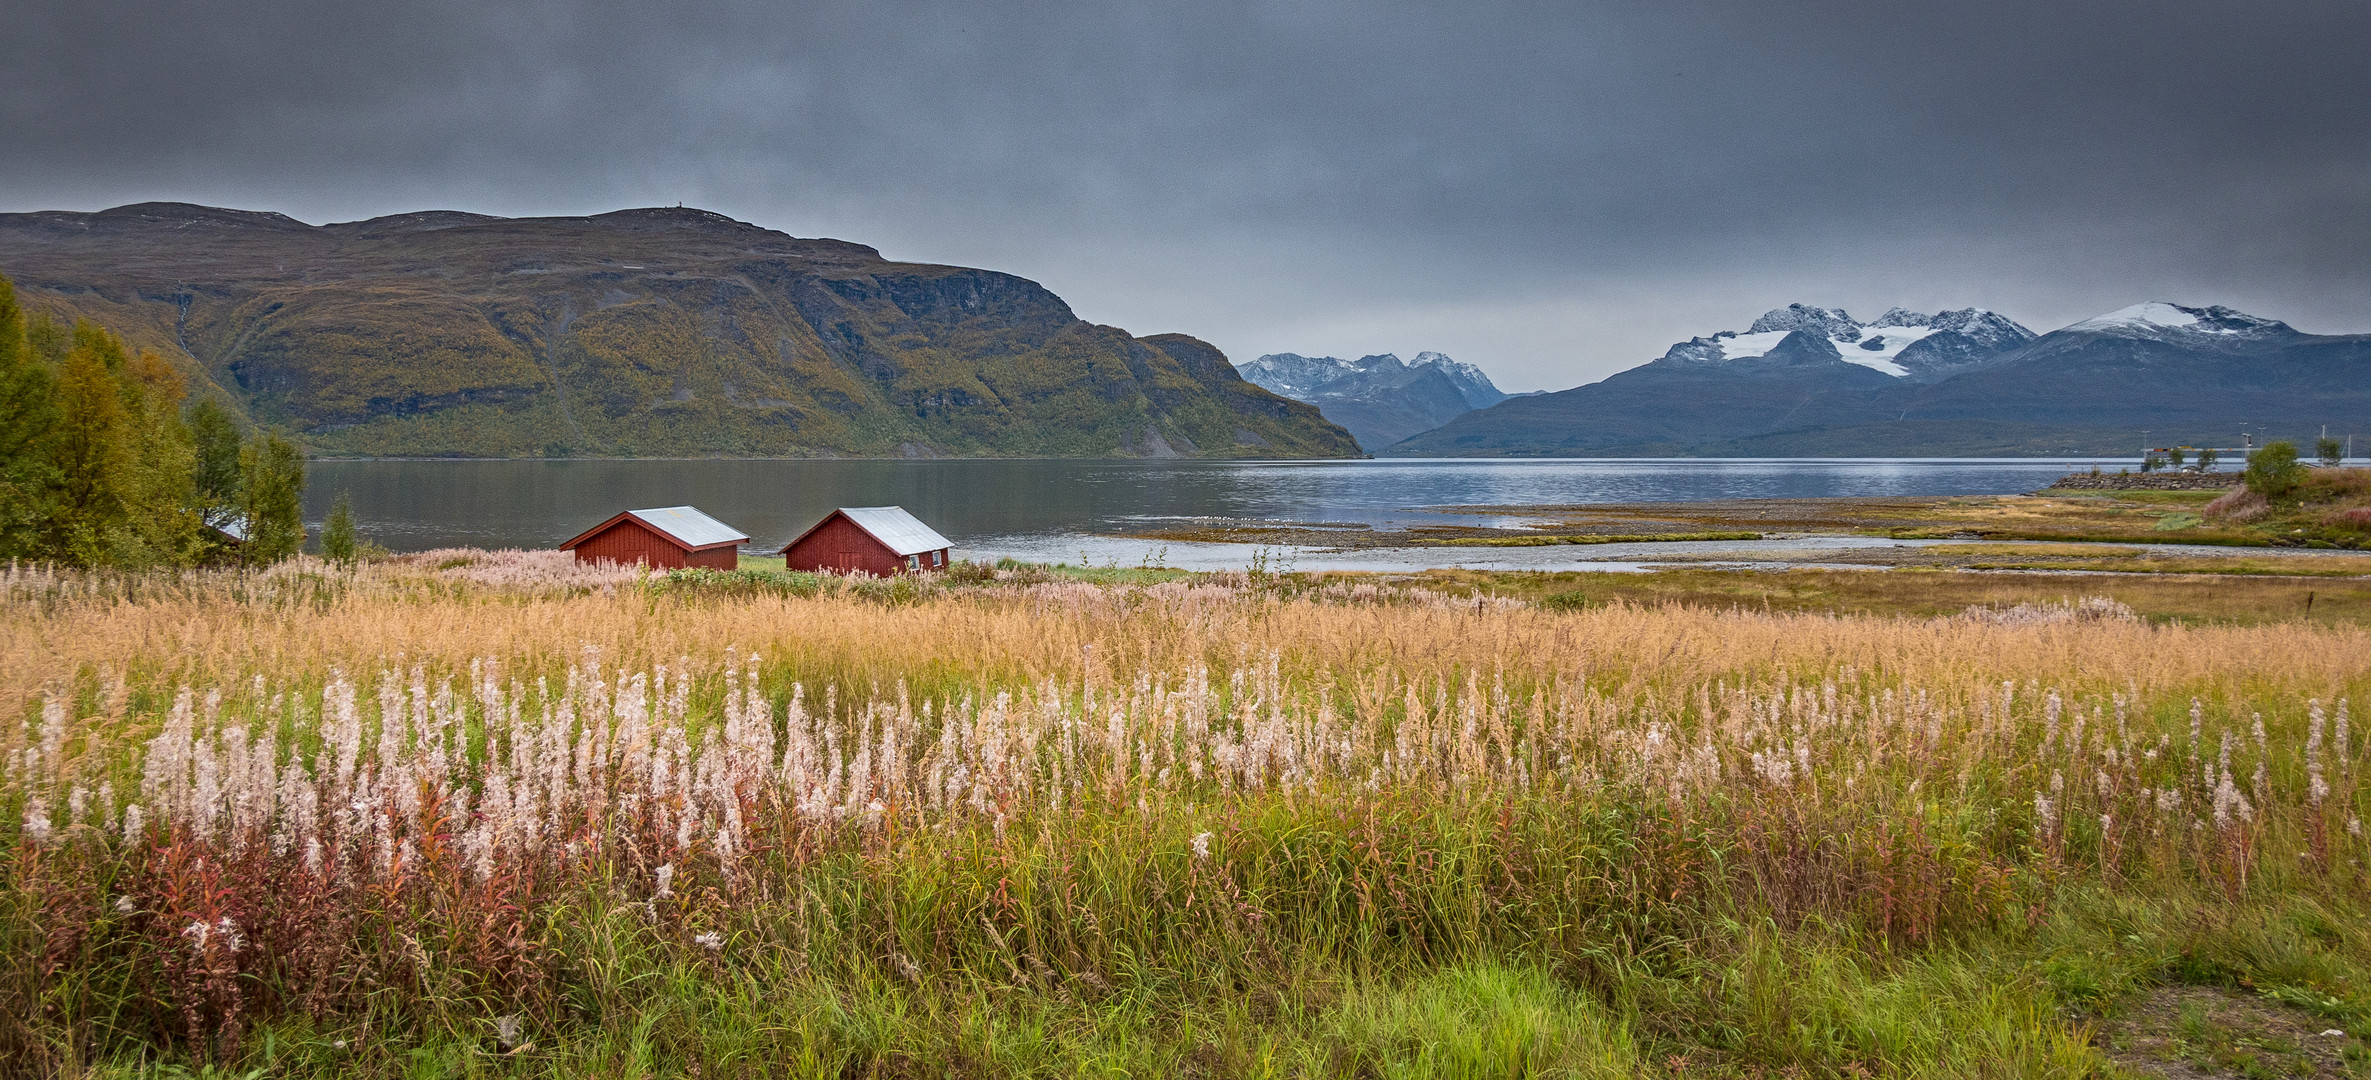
[(891, 525), (688, 526)]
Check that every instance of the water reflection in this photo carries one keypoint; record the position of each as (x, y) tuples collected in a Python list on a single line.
[(411, 505)]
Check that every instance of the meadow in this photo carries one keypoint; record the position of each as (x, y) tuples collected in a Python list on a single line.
[(486, 814)]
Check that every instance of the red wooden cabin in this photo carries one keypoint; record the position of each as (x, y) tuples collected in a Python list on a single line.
[(877, 540), (666, 537)]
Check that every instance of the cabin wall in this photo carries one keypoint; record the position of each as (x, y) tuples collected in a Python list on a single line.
[(631, 541), (840, 547)]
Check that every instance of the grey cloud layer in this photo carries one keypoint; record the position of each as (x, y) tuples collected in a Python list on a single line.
[(1594, 179)]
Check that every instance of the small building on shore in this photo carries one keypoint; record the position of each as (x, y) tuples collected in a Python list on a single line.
[(662, 538), (877, 540)]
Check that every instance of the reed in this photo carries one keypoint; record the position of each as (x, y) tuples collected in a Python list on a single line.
[(507, 814)]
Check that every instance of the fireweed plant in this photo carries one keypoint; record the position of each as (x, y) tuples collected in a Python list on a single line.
[(465, 813)]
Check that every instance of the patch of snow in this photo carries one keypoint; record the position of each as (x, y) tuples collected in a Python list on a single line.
[(1747, 346), (1890, 341), (2140, 315)]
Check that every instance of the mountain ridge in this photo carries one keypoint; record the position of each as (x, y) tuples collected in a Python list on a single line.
[(1380, 399), (1978, 384), (643, 332)]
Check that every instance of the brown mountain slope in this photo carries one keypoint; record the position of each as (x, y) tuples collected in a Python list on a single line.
[(642, 332)]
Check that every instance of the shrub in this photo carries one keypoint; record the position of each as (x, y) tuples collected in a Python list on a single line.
[(2237, 506), (2335, 485), (711, 582), (2355, 520), (337, 537), (2273, 471), (1572, 600), (2330, 450), (969, 572), (1015, 572)]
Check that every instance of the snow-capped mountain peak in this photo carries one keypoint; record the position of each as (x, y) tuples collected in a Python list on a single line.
[(1379, 399), (1470, 380), (2157, 317), (1292, 374), (1901, 343), (1308, 377), (1831, 321)]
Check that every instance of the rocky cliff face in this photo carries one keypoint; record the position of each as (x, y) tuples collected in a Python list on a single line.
[(643, 332)]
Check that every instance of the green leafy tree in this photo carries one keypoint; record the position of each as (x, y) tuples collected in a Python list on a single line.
[(48, 340), (125, 465), (165, 519), (2273, 471), (97, 465), (214, 438), (93, 462), (2331, 451), (271, 494), (28, 420), (337, 536)]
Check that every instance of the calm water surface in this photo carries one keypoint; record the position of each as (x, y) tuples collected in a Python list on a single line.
[(1048, 508)]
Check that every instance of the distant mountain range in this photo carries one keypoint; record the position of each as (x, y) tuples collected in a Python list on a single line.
[(1814, 381), (656, 332), (1379, 399)]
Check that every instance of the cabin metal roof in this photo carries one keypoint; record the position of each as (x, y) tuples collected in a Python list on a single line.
[(897, 530), (685, 525)]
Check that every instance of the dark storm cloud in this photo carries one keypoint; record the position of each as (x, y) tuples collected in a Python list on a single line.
[(1553, 190)]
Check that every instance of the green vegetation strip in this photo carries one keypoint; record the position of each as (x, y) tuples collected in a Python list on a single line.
[(1582, 538)]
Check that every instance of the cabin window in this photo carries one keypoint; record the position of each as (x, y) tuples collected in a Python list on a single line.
[(913, 562)]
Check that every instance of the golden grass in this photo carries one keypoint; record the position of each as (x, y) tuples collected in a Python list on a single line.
[(458, 801), (1047, 631)]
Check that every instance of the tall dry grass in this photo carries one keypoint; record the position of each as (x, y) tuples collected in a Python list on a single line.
[(379, 801), (216, 630)]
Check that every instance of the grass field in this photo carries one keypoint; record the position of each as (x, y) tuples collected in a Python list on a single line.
[(2184, 599), (2330, 509), (495, 814)]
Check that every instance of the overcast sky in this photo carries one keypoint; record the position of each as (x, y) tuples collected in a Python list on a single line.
[(1552, 190)]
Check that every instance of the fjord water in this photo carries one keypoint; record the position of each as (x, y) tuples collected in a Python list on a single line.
[(999, 506)]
